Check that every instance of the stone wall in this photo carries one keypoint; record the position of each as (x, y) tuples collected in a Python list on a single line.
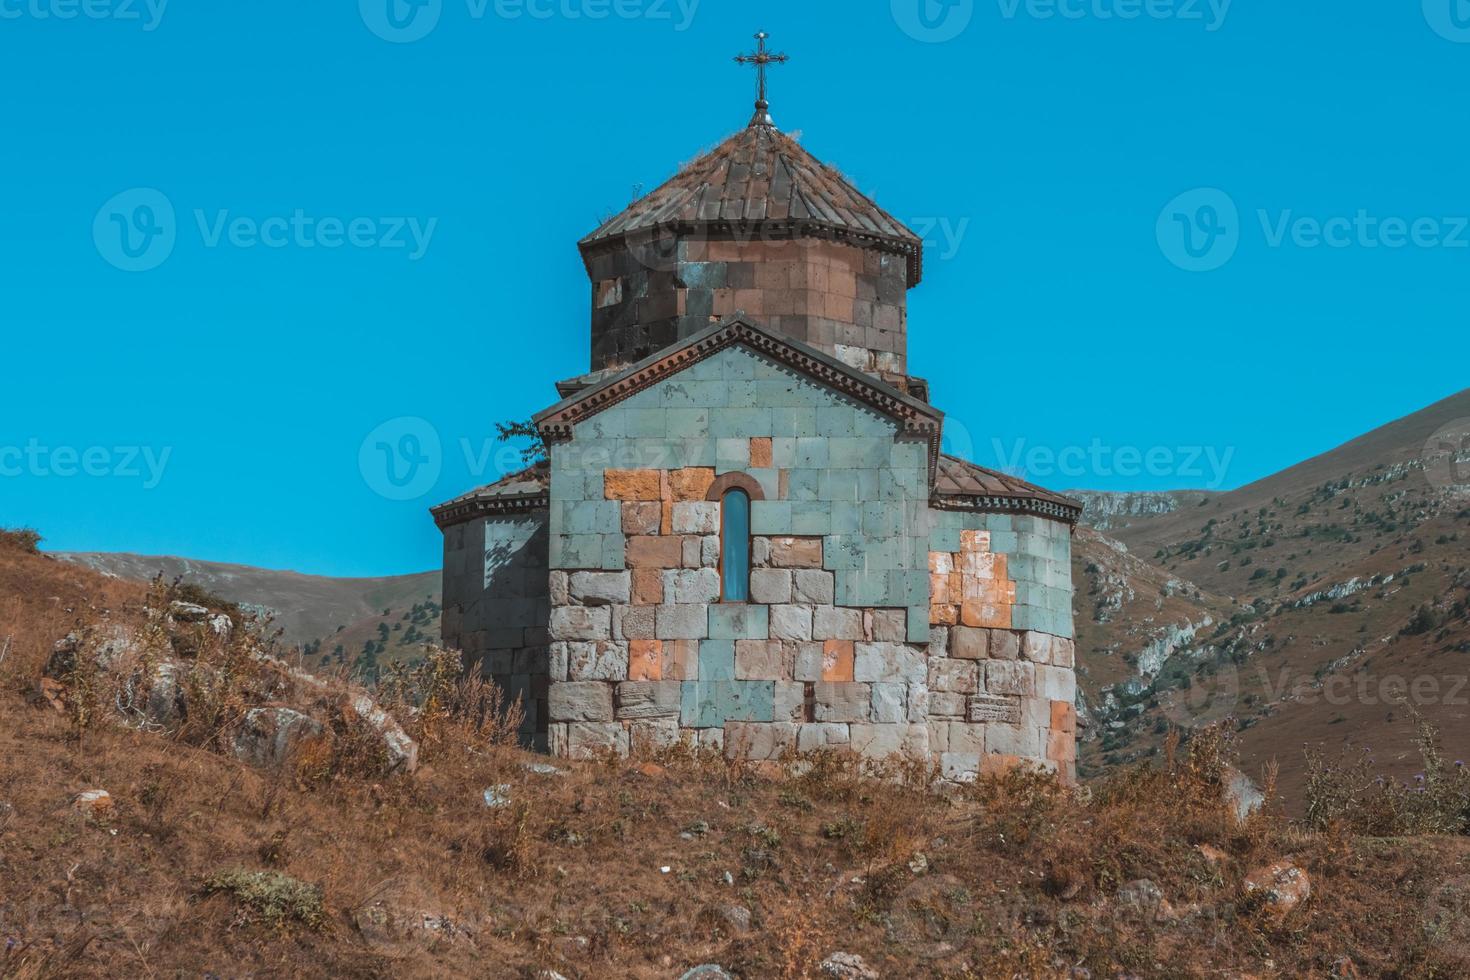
[(497, 606), (849, 302)]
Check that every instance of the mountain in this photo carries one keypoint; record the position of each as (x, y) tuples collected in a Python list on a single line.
[(1324, 604), (395, 613), (1107, 511)]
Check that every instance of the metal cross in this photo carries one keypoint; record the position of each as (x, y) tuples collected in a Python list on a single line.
[(761, 59)]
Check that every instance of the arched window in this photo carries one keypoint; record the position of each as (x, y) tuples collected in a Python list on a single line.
[(735, 546)]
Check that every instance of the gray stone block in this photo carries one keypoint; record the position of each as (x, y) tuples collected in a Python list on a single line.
[(770, 585), (580, 701), (890, 703), (586, 740), (837, 623), (581, 623), (813, 586), (889, 662), (968, 643), (815, 736), (1004, 645), (886, 625), (954, 676), (602, 660), (694, 586), (634, 623), (986, 708), (946, 705), (600, 588), (648, 699), (807, 662), (681, 622), (1014, 677), (791, 622), (648, 735), (758, 741), (880, 741), (843, 702)]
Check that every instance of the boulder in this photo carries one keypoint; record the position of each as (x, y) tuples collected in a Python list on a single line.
[(93, 802), (402, 751), (1282, 886), (847, 966), (267, 736), (187, 612)]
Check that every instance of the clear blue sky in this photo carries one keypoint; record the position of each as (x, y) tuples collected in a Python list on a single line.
[(1057, 313)]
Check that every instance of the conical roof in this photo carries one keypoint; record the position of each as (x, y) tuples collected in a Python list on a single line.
[(761, 182)]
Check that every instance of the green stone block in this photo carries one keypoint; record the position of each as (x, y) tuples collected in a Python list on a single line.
[(614, 552), (835, 420), (709, 704), (882, 518), (998, 522), (863, 587), (909, 587), (717, 660), (796, 421), (770, 517), (783, 448), (804, 484), (645, 423), (1004, 542), (918, 624), (603, 425), (740, 422), (847, 518), (811, 517), (744, 394), (944, 539), (870, 423), (738, 621), (851, 453), (576, 551), (844, 552), (811, 452), (686, 423)]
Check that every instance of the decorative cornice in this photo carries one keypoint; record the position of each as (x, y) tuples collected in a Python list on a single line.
[(916, 419), (1003, 504), (468, 509)]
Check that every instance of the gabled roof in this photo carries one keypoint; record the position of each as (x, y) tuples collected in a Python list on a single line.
[(761, 182), (519, 493), (915, 417), (962, 485)]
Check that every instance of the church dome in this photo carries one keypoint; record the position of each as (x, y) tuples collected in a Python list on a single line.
[(761, 184)]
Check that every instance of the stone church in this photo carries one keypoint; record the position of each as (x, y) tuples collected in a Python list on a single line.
[(745, 533)]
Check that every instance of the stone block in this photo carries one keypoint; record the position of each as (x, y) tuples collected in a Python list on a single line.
[(960, 767), (634, 623), (692, 586), (919, 696), (838, 661), (791, 622), (985, 708), (837, 623), (696, 517), (759, 660), (711, 738), (646, 660), (556, 739), (1064, 653), (942, 614), (889, 662), (1061, 747), (580, 701), (648, 586), (760, 452), (954, 676), (691, 551), (945, 705), (649, 699), (813, 587), (758, 741), (770, 517), (603, 660), (968, 643), (770, 585), (793, 552), (790, 704), (880, 741), (1014, 677), (588, 740), (806, 661), (716, 660), (737, 621), (709, 552), (1063, 717), (680, 660), (842, 702), (1004, 645), (1056, 683), (648, 735), (985, 613), (890, 703), (600, 588), (559, 589), (815, 736), (709, 704), (1036, 647), (690, 483), (581, 623), (1021, 740), (654, 551), (886, 625), (641, 517), (557, 658), (681, 622), (631, 485)]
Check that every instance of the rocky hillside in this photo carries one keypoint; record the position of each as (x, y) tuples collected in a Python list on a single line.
[(1107, 511), (1325, 603)]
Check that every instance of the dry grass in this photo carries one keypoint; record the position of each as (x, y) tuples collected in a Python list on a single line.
[(208, 866)]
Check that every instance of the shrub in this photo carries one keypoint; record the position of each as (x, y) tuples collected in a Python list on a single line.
[(270, 896), (21, 539)]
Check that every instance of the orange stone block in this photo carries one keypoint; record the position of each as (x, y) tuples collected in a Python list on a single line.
[(1061, 747), (654, 551), (645, 660), (838, 658), (796, 552), (985, 615), (631, 484), (999, 765), (974, 542), (939, 592), (640, 517), (760, 452), (945, 614), (648, 586), (1063, 717), (690, 483)]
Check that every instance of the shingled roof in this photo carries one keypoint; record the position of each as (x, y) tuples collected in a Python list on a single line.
[(760, 182), (962, 485), (519, 493)]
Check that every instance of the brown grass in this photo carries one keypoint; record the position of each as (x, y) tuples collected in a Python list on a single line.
[(208, 866)]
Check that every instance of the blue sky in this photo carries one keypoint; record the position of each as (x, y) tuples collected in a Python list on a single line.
[(1055, 152)]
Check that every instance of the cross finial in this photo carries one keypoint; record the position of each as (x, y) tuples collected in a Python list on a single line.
[(761, 59)]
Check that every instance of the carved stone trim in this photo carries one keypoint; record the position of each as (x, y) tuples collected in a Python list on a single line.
[(464, 511), (1002, 504), (730, 481)]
